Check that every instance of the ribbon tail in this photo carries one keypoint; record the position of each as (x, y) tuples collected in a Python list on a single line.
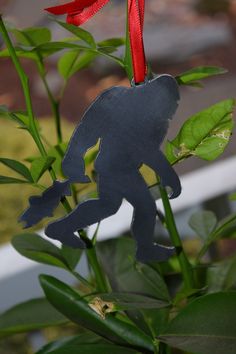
[(70, 7), (83, 16), (136, 19)]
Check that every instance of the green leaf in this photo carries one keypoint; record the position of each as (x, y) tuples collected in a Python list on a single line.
[(58, 151), (110, 45), (17, 116), (21, 53), (129, 301), (204, 135), (18, 167), (226, 228), (56, 46), (203, 223), (84, 60), (85, 343), (232, 196), (69, 302), (32, 36), (71, 255), (73, 61), (67, 62), (11, 180), (34, 247), (221, 275), (22, 118), (125, 275), (112, 42), (80, 33), (207, 325), (29, 316), (64, 343), (40, 165), (192, 76)]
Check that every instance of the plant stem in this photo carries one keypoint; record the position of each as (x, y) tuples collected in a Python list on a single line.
[(83, 280), (25, 86), (102, 284), (164, 349), (185, 266), (55, 106), (26, 90)]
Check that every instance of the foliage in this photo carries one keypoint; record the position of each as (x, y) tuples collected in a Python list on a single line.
[(122, 306)]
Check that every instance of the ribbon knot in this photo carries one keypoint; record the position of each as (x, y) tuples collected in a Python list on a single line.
[(80, 11)]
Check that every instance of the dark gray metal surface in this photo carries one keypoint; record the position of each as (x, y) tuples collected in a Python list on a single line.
[(44, 205), (131, 124)]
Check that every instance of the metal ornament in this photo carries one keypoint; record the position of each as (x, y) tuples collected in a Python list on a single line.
[(131, 123)]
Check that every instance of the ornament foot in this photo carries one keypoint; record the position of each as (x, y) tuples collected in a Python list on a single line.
[(154, 252), (68, 239)]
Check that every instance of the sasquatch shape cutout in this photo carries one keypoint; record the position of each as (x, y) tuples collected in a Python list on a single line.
[(131, 123)]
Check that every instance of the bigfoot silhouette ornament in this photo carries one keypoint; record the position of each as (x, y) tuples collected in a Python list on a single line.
[(130, 123)]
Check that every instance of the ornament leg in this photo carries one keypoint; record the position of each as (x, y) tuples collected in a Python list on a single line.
[(85, 214), (144, 219)]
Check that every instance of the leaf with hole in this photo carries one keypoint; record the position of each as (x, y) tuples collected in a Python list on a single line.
[(205, 135)]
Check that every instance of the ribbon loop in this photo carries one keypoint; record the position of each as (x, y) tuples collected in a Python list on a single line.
[(136, 11), (80, 11)]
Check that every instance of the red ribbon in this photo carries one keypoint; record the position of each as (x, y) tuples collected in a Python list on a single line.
[(80, 11)]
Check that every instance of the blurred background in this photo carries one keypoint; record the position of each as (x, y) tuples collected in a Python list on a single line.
[(179, 35)]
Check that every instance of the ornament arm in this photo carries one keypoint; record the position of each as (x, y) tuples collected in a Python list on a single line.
[(168, 176), (84, 137)]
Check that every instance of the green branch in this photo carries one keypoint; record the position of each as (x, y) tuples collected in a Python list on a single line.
[(25, 86), (55, 106), (185, 266), (26, 90)]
